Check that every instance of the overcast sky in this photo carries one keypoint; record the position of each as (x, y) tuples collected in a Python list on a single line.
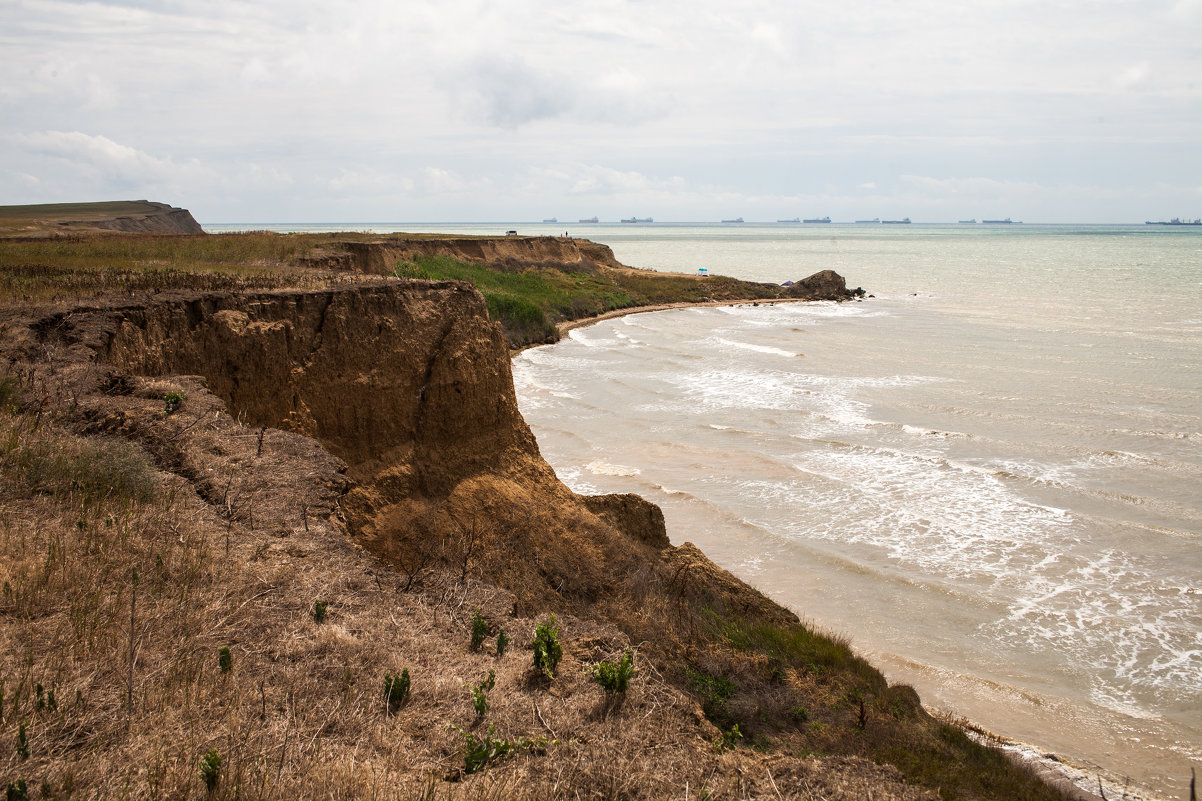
[(458, 110)]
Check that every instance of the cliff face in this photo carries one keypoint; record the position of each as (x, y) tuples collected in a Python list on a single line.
[(381, 257), (133, 216), (166, 220), (410, 385), (383, 376)]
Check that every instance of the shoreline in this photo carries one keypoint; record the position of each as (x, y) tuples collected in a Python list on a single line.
[(1089, 783), (585, 322)]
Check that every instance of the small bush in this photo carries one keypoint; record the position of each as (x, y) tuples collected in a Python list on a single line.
[(728, 740), (714, 691), (16, 791), (480, 693), (171, 402), (502, 642), (319, 611), (799, 714), (614, 677), (396, 688), (98, 469), (479, 630), (478, 752), (410, 269), (547, 650), (225, 659), (210, 769), (22, 742)]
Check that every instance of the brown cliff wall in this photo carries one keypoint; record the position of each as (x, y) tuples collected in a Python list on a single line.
[(410, 385), (381, 257), (133, 216), (382, 375), (166, 221)]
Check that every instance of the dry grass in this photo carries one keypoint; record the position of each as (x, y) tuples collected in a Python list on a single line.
[(231, 546)]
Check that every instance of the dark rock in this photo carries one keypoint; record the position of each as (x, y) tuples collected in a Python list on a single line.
[(824, 285)]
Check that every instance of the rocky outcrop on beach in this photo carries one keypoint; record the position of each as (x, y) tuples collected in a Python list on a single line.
[(823, 285)]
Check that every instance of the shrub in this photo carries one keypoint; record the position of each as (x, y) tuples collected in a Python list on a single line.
[(396, 688), (502, 642), (714, 690), (614, 677), (98, 469), (225, 659), (16, 791), (210, 769), (410, 269), (319, 611), (22, 742), (729, 739), (478, 752), (479, 630), (547, 650), (480, 693), (171, 402)]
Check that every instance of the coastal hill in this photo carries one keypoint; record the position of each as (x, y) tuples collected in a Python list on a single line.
[(274, 527), (53, 219)]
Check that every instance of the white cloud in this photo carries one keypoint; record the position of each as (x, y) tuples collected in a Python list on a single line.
[(1134, 76), (765, 100), (105, 158)]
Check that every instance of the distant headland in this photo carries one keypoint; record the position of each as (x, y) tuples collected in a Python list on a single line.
[(131, 216)]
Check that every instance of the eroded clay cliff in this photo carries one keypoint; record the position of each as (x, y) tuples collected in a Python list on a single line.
[(409, 384), (381, 257)]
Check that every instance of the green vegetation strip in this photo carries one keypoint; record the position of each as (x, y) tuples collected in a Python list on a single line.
[(529, 300)]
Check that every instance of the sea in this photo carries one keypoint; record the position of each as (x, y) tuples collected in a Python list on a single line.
[(987, 474)]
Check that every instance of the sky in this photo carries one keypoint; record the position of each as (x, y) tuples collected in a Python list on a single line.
[(250, 111)]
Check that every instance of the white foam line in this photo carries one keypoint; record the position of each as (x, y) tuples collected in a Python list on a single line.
[(759, 348)]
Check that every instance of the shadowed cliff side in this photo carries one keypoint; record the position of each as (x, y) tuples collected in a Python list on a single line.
[(382, 255), (129, 216)]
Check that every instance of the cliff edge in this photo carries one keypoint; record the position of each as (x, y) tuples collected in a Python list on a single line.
[(129, 216)]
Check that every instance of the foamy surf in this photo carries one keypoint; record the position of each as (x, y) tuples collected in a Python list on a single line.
[(980, 475)]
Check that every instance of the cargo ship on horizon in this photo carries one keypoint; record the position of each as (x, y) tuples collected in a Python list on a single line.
[(1174, 221)]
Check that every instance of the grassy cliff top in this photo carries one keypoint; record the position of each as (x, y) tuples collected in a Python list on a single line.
[(531, 284)]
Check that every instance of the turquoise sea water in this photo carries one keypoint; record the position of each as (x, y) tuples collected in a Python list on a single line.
[(989, 476)]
